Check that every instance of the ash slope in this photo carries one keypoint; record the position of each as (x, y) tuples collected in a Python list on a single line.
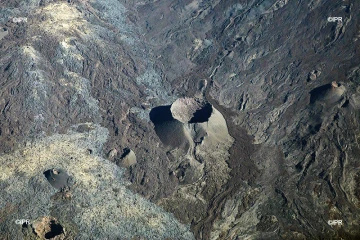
[(269, 66)]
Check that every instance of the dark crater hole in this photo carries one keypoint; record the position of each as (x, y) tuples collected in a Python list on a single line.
[(58, 178), (202, 115), (126, 151), (55, 229)]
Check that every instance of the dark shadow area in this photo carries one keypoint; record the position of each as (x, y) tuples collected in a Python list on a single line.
[(319, 92), (161, 114), (314, 129), (202, 115), (55, 229), (126, 151), (169, 130)]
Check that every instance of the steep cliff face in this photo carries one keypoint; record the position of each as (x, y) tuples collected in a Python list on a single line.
[(241, 119)]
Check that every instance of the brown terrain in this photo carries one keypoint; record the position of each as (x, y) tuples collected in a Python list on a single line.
[(155, 119)]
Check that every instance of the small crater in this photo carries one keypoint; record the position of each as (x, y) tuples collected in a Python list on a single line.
[(58, 178), (48, 228)]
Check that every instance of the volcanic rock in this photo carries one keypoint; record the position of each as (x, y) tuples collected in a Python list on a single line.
[(238, 130)]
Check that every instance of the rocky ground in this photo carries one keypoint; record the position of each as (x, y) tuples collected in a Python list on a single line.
[(179, 119)]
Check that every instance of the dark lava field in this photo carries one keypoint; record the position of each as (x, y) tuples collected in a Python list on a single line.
[(168, 119)]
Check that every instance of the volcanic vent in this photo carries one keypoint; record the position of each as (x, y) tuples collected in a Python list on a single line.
[(191, 110), (172, 122)]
